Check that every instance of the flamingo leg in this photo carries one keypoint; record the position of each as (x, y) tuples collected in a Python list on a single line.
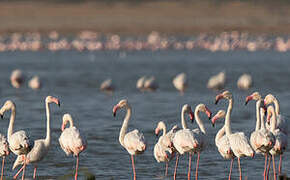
[(274, 168), (77, 167), (34, 172), (176, 164), (15, 176), (265, 166), (240, 169), (232, 162), (166, 169), (189, 165), (197, 164), (133, 166), (24, 165), (2, 170), (268, 169), (280, 164)]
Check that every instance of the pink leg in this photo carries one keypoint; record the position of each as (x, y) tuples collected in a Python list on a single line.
[(197, 164), (15, 176), (24, 165), (265, 166), (280, 164), (274, 168), (166, 169), (269, 166), (232, 161), (34, 172), (189, 165), (176, 164), (240, 169), (77, 167), (133, 166), (2, 171)]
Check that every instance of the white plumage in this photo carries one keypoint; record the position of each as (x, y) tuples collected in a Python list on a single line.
[(180, 82)]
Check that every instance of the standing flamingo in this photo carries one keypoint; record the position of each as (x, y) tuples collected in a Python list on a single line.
[(183, 140), (71, 140), (18, 142), (217, 82), (281, 138), (4, 151), (238, 141), (41, 146), (222, 141), (164, 144), (133, 141), (200, 133), (180, 82), (262, 140), (281, 123), (16, 78)]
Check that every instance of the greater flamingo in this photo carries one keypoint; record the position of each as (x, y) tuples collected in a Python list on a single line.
[(19, 141), (200, 133), (151, 84), (262, 140), (140, 83), (281, 139), (244, 82), (222, 141), (164, 144), (71, 140), (16, 78), (180, 82), (34, 83), (4, 151), (107, 86), (133, 141), (41, 146), (183, 140), (217, 82), (238, 141)]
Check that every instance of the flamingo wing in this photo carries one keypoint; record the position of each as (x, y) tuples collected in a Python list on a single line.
[(240, 145), (134, 142)]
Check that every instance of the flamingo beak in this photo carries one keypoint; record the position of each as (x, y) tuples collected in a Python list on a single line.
[(56, 101), (1, 116), (62, 127), (156, 132), (191, 116), (248, 98), (115, 110), (218, 97), (213, 120), (208, 113)]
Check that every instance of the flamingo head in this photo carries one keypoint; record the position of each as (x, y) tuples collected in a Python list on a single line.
[(65, 119), (218, 115), (203, 108), (187, 109), (121, 104), (254, 96), (224, 95), (269, 99), (51, 99), (160, 126), (7, 106)]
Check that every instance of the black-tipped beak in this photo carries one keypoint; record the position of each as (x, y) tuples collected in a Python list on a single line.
[(246, 103), (1, 116), (58, 104), (216, 101), (212, 124), (114, 114), (156, 135)]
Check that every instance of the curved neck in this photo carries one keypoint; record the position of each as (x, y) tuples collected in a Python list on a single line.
[(183, 122), (198, 120), (47, 138), (262, 114), (163, 127), (71, 123), (11, 123), (273, 121), (258, 122), (125, 125), (220, 134), (227, 118), (277, 107)]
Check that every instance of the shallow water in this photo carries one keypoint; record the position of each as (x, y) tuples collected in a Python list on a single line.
[(74, 77)]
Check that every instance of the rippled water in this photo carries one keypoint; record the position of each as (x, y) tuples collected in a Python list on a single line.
[(74, 78)]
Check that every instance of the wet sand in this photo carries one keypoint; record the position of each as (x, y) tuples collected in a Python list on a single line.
[(142, 18)]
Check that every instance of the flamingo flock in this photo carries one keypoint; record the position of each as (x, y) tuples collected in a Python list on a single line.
[(269, 137)]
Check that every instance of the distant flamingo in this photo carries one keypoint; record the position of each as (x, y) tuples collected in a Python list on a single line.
[(34, 83), (107, 86), (71, 140), (261, 140), (281, 139), (151, 84), (180, 82), (41, 146), (4, 151), (238, 141), (222, 141), (217, 82), (133, 141), (164, 146), (244, 82), (16, 78), (140, 83), (200, 133), (18, 142), (183, 140)]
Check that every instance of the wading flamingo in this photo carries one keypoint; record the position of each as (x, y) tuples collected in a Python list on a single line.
[(183, 140), (16, 78), (4, 151), (222, 142), (34, 83), (41, 146), (180, 82), (281, 139), (107, 86), (238, 141), (133, 141), (71, 140), (262, 140), (163, 149), (19, 141), (217, 82), (244, 82)]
